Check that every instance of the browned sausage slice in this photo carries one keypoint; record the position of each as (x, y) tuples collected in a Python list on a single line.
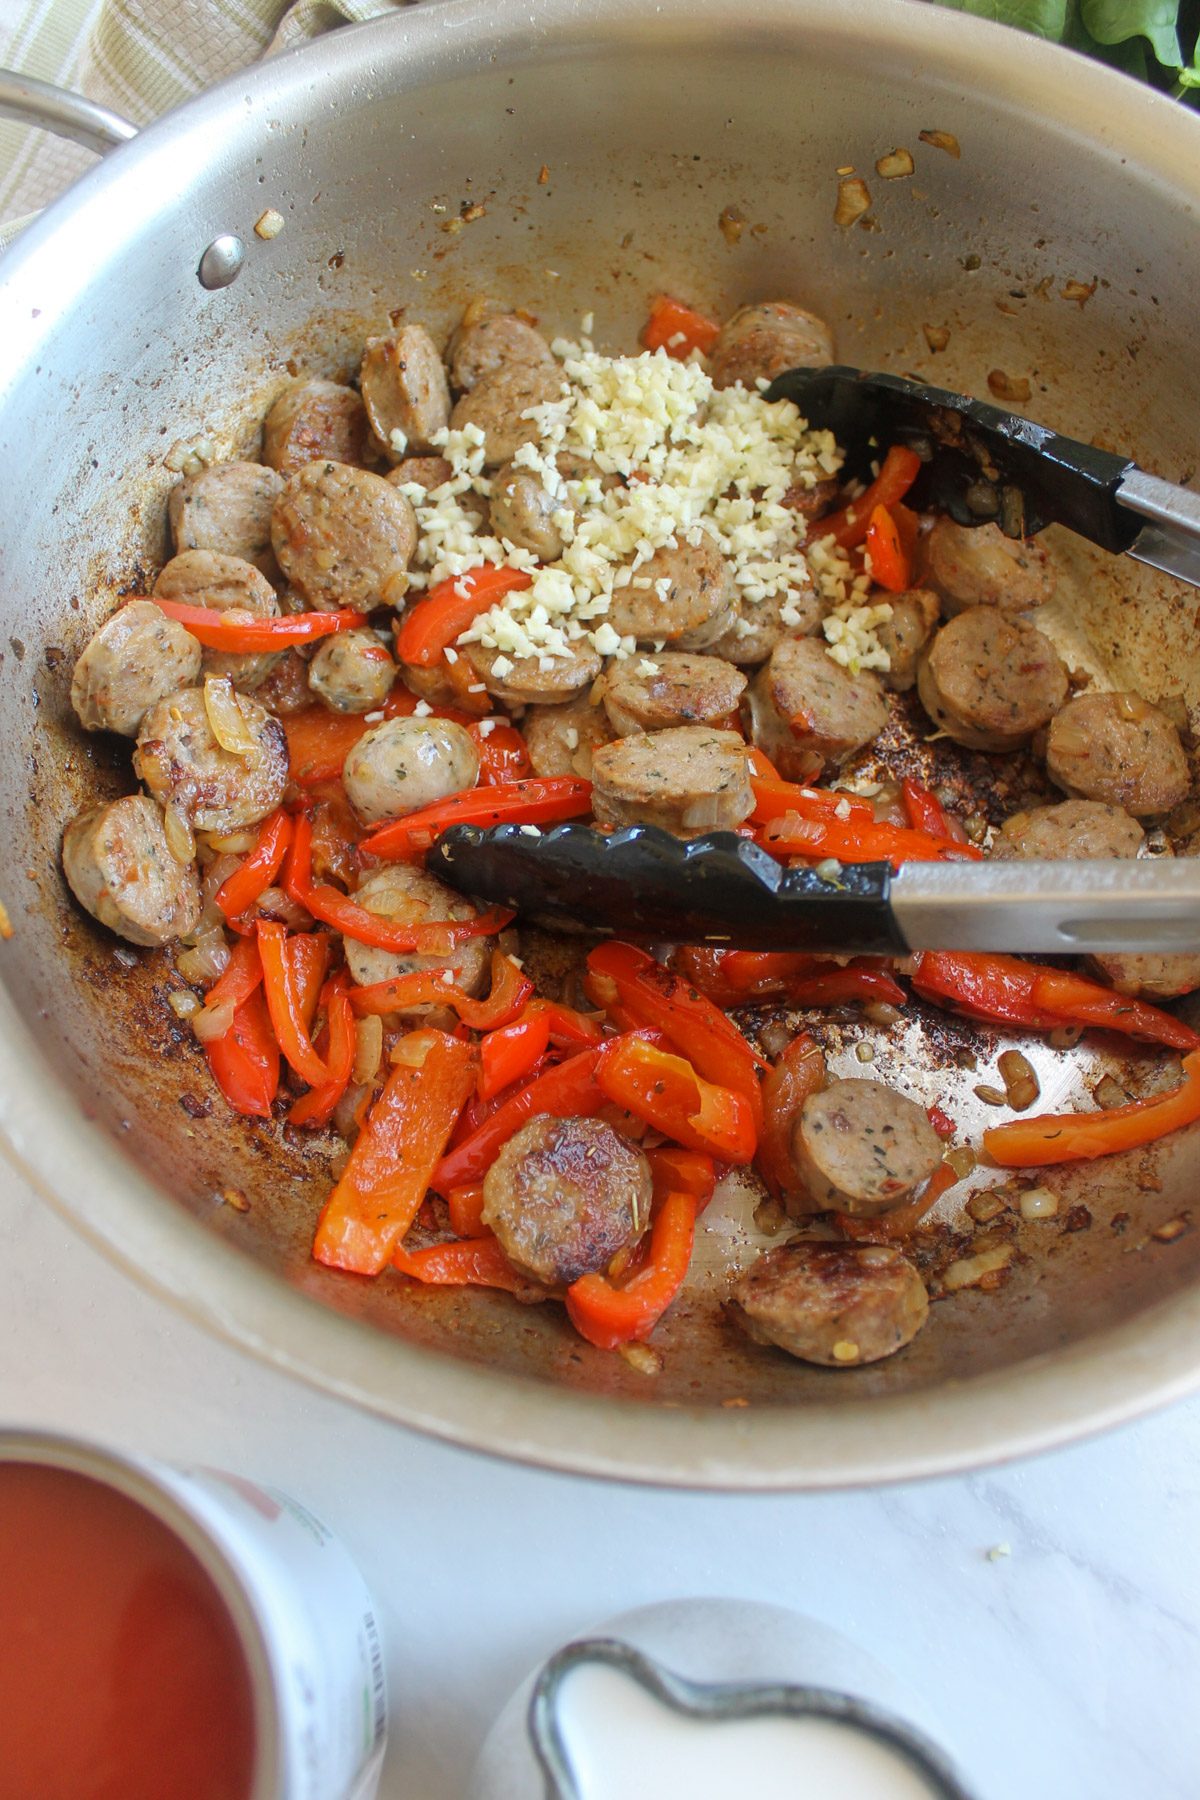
[(209, 579), (804, 710), (1119, 748), (862, 1148), (404, 390), (978, 566), (761, 625), (497, 405), (990, 681), (181, 762), (1073, 830), (406, 894), (120, 867), (345, 537), (682, 690), (561, 739), (314, 420), (523, 512), (402, 764), (835, 1304), (479, 349), (762, 341), (352, 672), (228, 508), (135, 658), (685, 597), (690, 780), (526, 679), (563, 1196), (427, 472), (905, 634)]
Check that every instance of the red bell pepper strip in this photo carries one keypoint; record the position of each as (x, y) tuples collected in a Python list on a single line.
[(446, 611), (316, 1107), (1078, 1137), (648, 994), (258, 869), (853, 840), (319, 741), (799, 1072), (569, 1029), (833, 987), (244, 632), (677, 329), (774, 798), (1085, 1002), (683, 1172), (245, 1060), (428, 987), (241, 976), (503, 756), (511, 1051), (568, 1091), (395, 1153), (849, 526), (925, 810), (465, 1206), (606, 1314), (761, 766), (941, 1121), (284, 968), (891, 567), (666, 1092), (536, 802), (478, 1262), (334, 908)]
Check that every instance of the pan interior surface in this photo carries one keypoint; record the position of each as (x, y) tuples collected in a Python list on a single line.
[(1061, 246)]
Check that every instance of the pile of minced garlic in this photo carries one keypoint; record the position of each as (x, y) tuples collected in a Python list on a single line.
[(697, 460)]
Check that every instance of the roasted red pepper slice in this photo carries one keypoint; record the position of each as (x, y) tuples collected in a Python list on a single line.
[(849, 526), (258, 869), (1085, 1002), (536, 802), (678, 329), (666, 1092), (395, 1153), (891, 567), (568, 1091), (511, 1051), (799, 1072), (1011, 992), (245, 1060), (244, 632), (289, 966), (607, 1314), (316, 1107), (854, 840), (503, 756), (429, 987), (1078, 1137), (446, 611), (477, 1262)]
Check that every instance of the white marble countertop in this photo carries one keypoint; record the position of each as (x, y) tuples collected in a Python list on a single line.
[(1066, 1668)]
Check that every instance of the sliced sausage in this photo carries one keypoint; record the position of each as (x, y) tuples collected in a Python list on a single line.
[(682, 690), (432, 684), (989, 680), (523, 512), (135, 658), (1076, 829), (286, 689), (804, 710), (905, 634), (1148, 976), (685, 597), (689, 780), (407, 895), (526, 679), (427, 472), (208, 578), (862, 1148), (228, 508), (314, 421), (345, 537), (352, 672), (404, 764), (563, 1196), (404, 390), (480, 349), (834, 1304), (181, 762), (813, 502), (762, 341), (120, 867), (978, 566), (761, 625), (561, 739), (498, 403), (1119, 748)]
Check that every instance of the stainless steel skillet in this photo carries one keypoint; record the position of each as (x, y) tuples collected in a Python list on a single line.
[(112, 354)]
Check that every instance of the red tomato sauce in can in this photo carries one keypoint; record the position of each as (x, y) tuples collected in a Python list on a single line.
[(121, 1672)]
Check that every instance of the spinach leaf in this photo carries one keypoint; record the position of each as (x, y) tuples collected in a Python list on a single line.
[(1045, 18), (1113, 21)]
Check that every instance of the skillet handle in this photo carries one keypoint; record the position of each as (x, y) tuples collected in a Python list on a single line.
[(67, 115)]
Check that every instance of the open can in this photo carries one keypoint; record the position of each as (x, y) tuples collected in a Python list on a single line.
[(297, 1604)]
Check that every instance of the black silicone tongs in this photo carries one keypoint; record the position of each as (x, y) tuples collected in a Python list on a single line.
[(978, 464)]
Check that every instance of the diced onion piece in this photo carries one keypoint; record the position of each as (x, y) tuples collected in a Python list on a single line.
[(895, 164), (225, 716), (969, 1271), (178, 832), (237, 843), (213, 1021), (206, 960), (1039, 1203), (854, 199), (942, 140), (368, 1050), (1013, 388), (183, 1003)]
